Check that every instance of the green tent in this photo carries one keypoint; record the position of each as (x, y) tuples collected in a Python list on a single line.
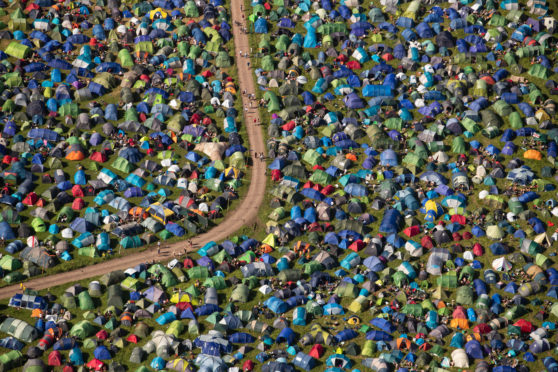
[(19, 329), (131, 242), (240, 294), (214, 184), (191, 10), (458, 145), (515, 120), (223, 60), (349, 290), (217, 282), (125, 58), (131, 284), (464, 295), (17, 50), (82, 329), (413, 309), (394, 123), (198, 272), (539, 71), (123, 165), (321, 177), (272, 101), (175, 328), (85, 301), (12, 360), (14, 277), (267, 63), (88, 252), (9, 263), (312, 157), (168, 279), (38, 225)]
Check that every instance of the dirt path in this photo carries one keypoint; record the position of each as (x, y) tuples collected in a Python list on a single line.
[(244, 214)]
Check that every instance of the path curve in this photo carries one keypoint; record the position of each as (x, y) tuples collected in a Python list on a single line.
[(244, 214)]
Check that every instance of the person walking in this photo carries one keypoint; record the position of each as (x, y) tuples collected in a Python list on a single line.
[(158, 248)]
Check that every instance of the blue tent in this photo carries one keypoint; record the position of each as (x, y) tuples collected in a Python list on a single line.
[(345, 335), (286, 335), (158, 363), (383, 324), (276, 305), (377, 91), (378, 336), (102, 353), (474, 349), (241, 338), (260, 26), (392, 221)]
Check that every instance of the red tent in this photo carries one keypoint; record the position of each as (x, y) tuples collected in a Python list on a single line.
[(412, 231), (318, 167), (95, 364), (184, 305), (78, 204), (132, 338), (55, 358), (482, 328), (427, 242), (467, 235), (102, 335), (459, 313), (459, 219), (357, 245), (98, 156), (248, 365), (317, 351), (289, 126), (68, 368), (30, 199), (315, 227), (387, 57), (354, 65), (329, 189), (275, 175), (308, 185), (31, 7), (478, 250), (77, 192), (525, 326), (456, 236)]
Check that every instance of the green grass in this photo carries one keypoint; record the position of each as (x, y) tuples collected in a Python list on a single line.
[(365, 316)]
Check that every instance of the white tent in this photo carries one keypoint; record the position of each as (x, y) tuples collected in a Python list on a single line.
[(460, 359), (501, 264)]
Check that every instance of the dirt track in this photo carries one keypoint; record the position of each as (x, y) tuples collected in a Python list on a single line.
[(244, 214)]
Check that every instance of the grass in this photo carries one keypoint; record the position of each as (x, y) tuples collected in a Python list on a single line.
[(258, 233), (69, 169)]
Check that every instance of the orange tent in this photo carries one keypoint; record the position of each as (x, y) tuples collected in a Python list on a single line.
[(36, 313), (533, 155), (137, 212), (266, 248), (75, 155), (459, 323), (473, 336), (351, 156), (403, 343)]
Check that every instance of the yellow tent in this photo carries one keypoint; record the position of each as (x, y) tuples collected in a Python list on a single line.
[(270, 240), (184, 297), (159, 11)]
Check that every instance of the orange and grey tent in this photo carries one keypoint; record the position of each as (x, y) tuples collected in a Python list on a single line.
[(75, 152)]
